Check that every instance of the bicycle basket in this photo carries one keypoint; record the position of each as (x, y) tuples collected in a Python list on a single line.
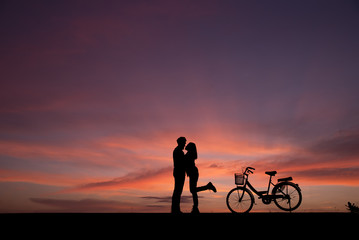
[(239, 178)]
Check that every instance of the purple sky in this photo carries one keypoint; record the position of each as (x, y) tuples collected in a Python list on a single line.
[(98, 92)]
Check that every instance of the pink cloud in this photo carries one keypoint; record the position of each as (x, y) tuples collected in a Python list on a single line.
[(135, 180)]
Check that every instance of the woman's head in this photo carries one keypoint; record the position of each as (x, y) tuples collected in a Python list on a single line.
[(192, 150)]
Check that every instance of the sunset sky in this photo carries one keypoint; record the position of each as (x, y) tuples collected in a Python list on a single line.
[(94, 95)]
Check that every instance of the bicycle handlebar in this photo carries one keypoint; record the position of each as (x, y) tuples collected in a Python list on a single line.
[(249, 171)]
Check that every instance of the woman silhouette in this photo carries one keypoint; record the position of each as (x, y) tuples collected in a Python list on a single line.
[(192, 173)]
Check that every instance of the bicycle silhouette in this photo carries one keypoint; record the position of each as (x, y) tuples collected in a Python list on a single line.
[(285, 194)]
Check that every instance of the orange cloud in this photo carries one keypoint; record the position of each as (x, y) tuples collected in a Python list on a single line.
[(40, 177)]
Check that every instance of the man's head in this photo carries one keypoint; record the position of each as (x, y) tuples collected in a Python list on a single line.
[(181, 141)]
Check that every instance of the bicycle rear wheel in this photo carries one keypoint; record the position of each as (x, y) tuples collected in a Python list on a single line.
[(289, 196), (240, 200)]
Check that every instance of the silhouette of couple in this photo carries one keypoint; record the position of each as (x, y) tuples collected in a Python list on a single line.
[(184, 163)]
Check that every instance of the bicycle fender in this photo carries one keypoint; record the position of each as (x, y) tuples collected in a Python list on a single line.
[(284, 183)]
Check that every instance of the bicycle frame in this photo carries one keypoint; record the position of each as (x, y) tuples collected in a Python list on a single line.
[(258, 193), (261, 193)]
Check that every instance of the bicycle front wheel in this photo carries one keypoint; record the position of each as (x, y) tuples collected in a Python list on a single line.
[(240, 200)]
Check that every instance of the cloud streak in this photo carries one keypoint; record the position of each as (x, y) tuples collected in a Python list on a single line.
[(342, 144), (85, 205), (140, 179), (332, 160), (168, 199)]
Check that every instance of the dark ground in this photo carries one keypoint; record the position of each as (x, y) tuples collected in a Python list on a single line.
[(219, 225)]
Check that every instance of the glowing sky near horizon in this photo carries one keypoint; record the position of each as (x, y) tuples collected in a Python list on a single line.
[(94, 95)]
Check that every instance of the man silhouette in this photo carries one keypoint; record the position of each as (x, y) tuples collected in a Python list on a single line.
[(178, 174)]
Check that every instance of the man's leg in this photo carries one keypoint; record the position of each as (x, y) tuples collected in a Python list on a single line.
[(179, 178)]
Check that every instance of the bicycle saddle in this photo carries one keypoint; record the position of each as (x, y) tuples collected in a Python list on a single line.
[(271, 173)]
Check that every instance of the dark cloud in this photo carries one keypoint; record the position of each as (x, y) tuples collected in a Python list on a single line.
[(83, 205), (214, 165), (168, 199), (343, 146), (334, 176), (156, 206), (161, 199), (344, 143)]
